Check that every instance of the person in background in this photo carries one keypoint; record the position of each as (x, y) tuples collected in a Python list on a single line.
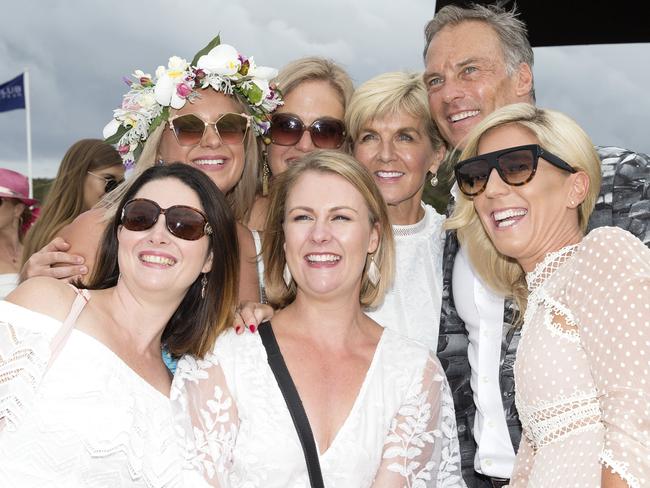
[(478, 59), (394, 137), (89, 169), (529, 179), (17, 213), (84, 392), (316, 92), (377, 403)]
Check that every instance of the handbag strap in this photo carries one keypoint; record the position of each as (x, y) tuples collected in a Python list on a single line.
[(61, 337), (294, 404)]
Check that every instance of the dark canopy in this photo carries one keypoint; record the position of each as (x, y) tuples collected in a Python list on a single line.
[(569, 22)]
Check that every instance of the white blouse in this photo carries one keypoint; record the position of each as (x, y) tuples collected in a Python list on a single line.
[(400, 431), (88, 421), (412, 305)]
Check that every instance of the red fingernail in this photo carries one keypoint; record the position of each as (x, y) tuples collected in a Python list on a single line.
[(238, 329), (252, 328)]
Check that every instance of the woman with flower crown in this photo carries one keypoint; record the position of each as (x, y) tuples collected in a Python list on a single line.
[(207, 113)]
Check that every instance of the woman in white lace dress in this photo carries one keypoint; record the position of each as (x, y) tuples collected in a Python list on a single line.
[(84, 392), (378, 404), (394, 137), (582, 374)]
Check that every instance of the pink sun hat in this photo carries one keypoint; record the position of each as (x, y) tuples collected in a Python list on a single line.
[(15, 185)]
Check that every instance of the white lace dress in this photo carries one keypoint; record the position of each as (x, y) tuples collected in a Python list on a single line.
[(401, 431), (582, 372), (412, 305), (89, 421)]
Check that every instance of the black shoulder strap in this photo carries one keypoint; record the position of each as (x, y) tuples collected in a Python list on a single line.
[(294, 404)]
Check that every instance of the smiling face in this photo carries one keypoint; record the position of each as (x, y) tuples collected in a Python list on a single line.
[(309, 101), (154, 259), (223, 163), (527, 222), (328, 235), (466, 78), (398, 152)]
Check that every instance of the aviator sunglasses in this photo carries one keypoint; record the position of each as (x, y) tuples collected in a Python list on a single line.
[(182, 221), (110, 183), (515, 165), (189, 129), (326, 132)]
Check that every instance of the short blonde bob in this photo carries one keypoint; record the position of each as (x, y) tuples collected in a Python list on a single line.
[(348, 168), (558, 134), (387, 95)]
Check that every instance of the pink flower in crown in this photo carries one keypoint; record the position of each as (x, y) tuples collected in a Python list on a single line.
[(183, 90), (123, 149)]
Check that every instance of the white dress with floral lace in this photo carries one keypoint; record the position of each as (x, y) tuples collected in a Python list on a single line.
[(582, 372), (400, 432), (89, 421)]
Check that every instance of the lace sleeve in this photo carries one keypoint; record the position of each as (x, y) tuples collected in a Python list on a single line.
[(614, 317), (206, 419), (523, 463), (24, 354), (421, 447)]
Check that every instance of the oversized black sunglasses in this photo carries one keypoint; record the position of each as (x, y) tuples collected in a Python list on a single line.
[(189, 129), (110, 182), (181, 221), (326, 132), (515, 165)]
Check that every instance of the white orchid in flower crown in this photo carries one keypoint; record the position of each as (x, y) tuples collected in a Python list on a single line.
[(147, 103)]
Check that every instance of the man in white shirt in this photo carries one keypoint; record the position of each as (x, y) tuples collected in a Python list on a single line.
[(479, 59)]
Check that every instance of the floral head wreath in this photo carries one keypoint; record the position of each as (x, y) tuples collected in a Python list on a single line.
[(146, 105)]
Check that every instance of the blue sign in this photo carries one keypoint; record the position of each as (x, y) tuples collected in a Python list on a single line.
[(12, 94)]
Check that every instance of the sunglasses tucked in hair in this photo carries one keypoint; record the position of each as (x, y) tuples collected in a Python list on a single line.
[(181, 220), (516, 166), (189, 129), (326, 132)]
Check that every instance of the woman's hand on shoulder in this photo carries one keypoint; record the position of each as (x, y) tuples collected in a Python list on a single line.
[(249, 315), (44, 294), (54, 261)]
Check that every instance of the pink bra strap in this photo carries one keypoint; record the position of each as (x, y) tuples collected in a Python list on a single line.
[(63, 333)]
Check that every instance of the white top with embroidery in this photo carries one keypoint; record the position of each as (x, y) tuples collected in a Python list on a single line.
[(400, 432), (412, 305), (582, 371), (90, 421)]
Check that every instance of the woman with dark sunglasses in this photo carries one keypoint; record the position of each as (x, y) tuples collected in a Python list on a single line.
[(84, 392), (528, 181), (316, 92), (89, 169), (209, 117)]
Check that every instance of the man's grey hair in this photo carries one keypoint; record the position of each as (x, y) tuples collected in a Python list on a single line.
[(510, 29)]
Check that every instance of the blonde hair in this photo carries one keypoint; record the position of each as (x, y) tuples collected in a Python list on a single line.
[(348, 168), (314, 68), (558, 134), (240, 197), (387, 95)]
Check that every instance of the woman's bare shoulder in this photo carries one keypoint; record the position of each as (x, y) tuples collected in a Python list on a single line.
[(45, 295)]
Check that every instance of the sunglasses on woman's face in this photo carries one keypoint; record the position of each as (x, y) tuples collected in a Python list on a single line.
[(181, 220), (110, 182), (189, 129), (515, 165), (326, 132)]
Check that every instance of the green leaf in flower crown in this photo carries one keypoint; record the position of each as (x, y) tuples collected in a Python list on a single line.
[(211, 45), (115, 138), (161, 118), (254, 94)]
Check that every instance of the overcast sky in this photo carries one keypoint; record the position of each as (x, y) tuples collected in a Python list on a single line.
[(77, 52)]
